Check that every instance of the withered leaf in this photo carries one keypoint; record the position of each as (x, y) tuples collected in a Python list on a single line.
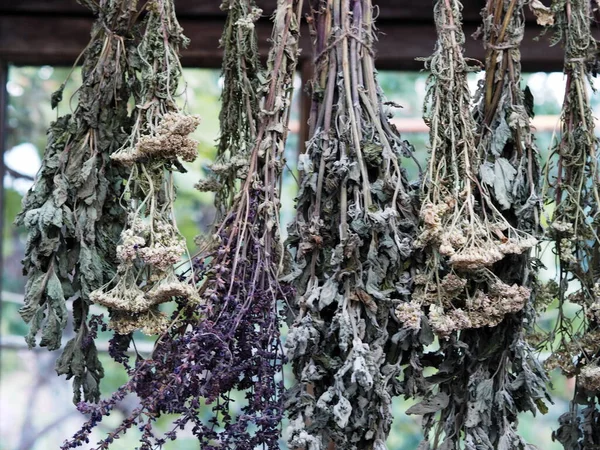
[(430, 405)]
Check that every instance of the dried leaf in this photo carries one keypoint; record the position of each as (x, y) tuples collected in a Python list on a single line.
[(543, 14), (504, 175), (430, 405)]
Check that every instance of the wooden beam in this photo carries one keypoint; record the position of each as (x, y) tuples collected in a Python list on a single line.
[(3, 109), (387, 9), (38, 40)]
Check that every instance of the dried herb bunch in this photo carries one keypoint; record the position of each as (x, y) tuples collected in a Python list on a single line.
[(487, 373), (224, 350), (352, 242), (72, 211), (239, 120), (150, 243), (464, 232), (575, 193)]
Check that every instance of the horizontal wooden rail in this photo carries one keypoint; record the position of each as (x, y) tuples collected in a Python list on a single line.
[(58, 40), (407, 10)]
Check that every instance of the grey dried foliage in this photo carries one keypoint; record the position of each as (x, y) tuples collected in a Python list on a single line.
[(351, 239), (575, 194), (71, 212), (479, 217)]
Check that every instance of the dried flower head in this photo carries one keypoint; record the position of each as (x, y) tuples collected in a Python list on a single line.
[(409, 314), (589, 377), (166, 246), (169, 287), (151, 322)]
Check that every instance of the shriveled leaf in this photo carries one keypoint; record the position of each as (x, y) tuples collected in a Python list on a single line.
[(543, 14), (329, 293), (504, 175), (501, 136), (342, 411), (81, 364), (430, 405)]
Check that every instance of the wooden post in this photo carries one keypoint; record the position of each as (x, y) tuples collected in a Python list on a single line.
[(3, 109)]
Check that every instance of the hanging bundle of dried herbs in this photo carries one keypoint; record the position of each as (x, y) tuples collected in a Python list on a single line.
[(240, 99), (574, 228), (463, 229), (150, 243), (479, 216), (352, 242), (72, 211), (225, 347)]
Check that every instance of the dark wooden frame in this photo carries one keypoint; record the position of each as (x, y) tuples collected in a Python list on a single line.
[(38, 32)]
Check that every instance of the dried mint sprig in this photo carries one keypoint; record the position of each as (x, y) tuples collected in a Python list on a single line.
[(224, 350), (573, 183), (71, 212), (356, 220), (487, 372)]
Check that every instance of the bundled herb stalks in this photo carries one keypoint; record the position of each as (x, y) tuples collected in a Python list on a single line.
[(463, 230), (239, 119), (352, 240), (226, 346), (150, 243), (574, 228), (478, 220), (71, 212)]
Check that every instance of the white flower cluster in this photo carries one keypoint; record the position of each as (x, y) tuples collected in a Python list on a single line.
[(169, 287), (444, 323), (481, 310), (170, 140), (130, 243), (566, 251), (409, 314), (248, 21), (125, 296), (166, 247), (594, 311), (562, 227), (151, 322), (160, 246), (134, 301), (469, 246), (485, 253)]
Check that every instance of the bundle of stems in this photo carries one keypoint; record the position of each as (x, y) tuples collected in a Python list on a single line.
[(239, 120), (224, 349), (574, 228), (150, 242), (488, 374), (72, 212), (463, 230), (352, 238)]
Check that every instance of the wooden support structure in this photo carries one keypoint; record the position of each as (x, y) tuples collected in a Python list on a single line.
[(38, 32), (3, 108), (406, 10)]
